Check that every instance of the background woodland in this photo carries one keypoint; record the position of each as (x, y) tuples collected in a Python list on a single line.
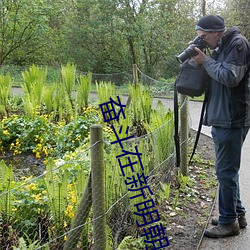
[(107, 36)]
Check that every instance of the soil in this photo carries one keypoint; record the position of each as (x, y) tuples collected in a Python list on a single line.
[(187, 222), (25, 164)]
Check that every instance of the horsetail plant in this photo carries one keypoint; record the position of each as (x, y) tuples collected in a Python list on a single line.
[(68, 74), (83, 90), (6, 184), (33, 85), (5, 89)]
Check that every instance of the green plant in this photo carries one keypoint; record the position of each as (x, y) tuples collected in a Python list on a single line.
[(163, 192), (184, 181), (6, 196), (176, 199), (5, 90), (34, 81), (68, 74), (105, 90), (83, 91), (141, 103), (161, 128), (29, 245), (48, 98), (30, 207)]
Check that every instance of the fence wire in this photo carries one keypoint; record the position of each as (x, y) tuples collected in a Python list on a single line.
[(41, 211)]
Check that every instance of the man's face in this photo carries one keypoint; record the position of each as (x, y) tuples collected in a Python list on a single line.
[(211, 38)]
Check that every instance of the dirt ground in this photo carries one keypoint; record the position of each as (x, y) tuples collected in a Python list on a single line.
[(188, 220)]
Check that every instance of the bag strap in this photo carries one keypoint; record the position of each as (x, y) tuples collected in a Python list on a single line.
[(199, 127), (176, 126)]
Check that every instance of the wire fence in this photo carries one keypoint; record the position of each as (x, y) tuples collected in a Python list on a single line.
[(55, 210)]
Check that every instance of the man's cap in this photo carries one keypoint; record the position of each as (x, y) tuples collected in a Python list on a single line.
[(210, 23)]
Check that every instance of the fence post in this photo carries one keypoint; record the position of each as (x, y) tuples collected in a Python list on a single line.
[(184, 135), (135, 74), (98, 194), (135, 82)]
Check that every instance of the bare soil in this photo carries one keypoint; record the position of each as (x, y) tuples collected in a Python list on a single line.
[(196, 200)]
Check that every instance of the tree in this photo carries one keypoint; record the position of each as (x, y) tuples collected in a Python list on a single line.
[(21, 21)]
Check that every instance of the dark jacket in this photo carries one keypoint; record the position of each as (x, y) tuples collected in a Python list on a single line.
[(229, 90)]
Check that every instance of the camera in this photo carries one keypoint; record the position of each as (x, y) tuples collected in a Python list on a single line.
[(190, 51)]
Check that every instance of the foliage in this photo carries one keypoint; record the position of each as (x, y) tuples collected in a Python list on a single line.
[(43, 137), (50, 201), (83, 90), (106, 36), (68, 74), (34, 81), (5, 90), (105, 90), (6, 184), (22, 23), (162, 141)]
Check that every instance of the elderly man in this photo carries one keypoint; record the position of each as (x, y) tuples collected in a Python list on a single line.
[(228, 112)]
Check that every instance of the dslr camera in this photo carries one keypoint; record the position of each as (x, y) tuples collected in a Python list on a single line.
[(190, 51)]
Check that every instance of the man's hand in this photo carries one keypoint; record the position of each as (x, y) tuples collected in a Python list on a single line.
[(200, 58)]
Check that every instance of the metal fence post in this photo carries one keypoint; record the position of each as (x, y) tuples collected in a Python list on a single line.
[(184, 135), (98, 194)]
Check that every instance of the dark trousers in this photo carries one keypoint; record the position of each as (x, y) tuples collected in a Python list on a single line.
[(228, 145)]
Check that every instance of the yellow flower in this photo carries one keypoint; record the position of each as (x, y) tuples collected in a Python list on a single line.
[(38, 155), (31, 187), (37, 196), (6, 132), (69, 211)]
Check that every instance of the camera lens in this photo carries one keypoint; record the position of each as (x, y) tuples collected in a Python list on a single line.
[(187, 53)]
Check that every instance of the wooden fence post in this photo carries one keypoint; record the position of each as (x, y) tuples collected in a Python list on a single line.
[(135, 74), (98, 194), (135, 82)]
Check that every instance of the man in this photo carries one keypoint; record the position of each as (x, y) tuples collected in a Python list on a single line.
[(228, 112)]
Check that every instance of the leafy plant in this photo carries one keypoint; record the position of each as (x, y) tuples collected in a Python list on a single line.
[(48, 98), (6, 184), (161, 126), (68, 74), (5, 90), (164, 192), (34, 81), (141, 103), (83, 91), (105, 90)]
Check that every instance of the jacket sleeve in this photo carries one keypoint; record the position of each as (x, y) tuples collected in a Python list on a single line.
[(232, 69)]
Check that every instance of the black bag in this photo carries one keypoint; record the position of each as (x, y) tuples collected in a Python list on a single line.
[(192, 80)]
